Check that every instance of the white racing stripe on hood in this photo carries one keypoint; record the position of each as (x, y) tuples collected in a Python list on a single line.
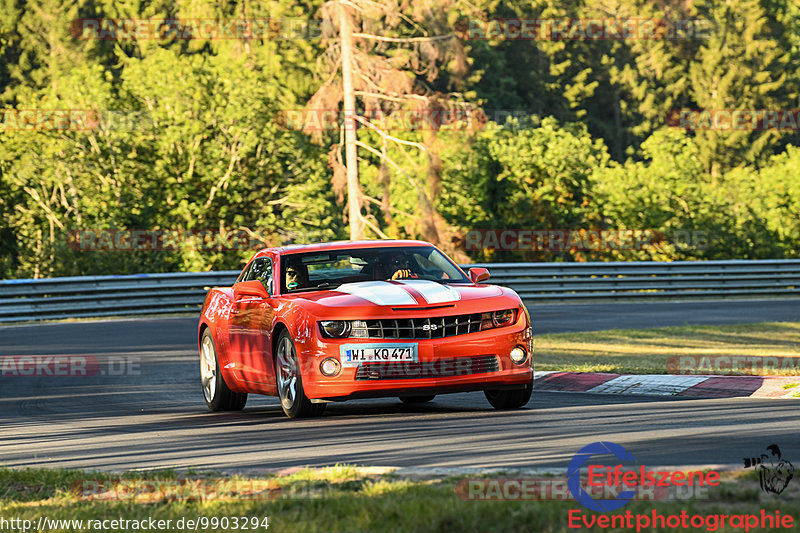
[(434, 293), (385, 293), (379, 292)]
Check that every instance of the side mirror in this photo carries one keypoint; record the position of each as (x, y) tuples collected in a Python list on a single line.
[(249, 288), (478, 274)]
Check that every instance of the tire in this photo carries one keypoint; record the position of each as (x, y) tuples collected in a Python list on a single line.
[(509, 399), (215, 391), (417, 399), (288, 378)]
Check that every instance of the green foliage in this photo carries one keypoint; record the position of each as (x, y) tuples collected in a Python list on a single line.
[(665, 193), (523, 176), (320, 501), (772, 196), (751, 214), (745, 64), (185, 141), (188, 137)]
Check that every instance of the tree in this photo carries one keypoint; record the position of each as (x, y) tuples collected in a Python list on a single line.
[(747, 63), (203, 152), (389, 75)]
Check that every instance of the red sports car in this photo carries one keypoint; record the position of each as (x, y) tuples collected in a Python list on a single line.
[(318, 323)]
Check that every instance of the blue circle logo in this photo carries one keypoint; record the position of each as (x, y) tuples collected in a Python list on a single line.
[(574, 477)]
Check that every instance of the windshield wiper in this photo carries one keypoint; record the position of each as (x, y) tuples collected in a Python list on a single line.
[(322, 285), (444, 281)]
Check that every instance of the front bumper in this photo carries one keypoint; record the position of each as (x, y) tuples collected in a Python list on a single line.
[(475, 361)]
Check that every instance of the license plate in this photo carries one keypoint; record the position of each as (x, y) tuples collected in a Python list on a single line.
[(355, 354)]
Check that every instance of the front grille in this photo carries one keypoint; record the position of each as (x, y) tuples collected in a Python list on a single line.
[(444, 367), (423, 328)]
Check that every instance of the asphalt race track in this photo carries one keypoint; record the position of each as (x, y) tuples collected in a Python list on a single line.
[(144, 408)]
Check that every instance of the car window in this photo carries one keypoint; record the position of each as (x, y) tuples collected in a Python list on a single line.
[(244, 273), (261, 270), (331, 268)]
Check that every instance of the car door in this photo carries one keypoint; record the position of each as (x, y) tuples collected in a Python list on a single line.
[(251, 326)]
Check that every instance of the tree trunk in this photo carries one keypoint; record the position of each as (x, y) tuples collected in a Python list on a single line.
[(351, 157)]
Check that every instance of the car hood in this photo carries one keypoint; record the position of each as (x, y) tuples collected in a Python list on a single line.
[(403, 293)]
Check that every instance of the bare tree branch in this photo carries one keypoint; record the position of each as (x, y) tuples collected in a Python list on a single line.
[(381, 96), (373, 227), (51, 216), (403, 39), (389, 160), (393, 209), (386, 136)]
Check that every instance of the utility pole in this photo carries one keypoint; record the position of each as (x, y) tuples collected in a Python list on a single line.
[(350, 136)]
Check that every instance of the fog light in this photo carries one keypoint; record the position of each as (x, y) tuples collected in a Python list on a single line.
[(518, 354), (330, 367)]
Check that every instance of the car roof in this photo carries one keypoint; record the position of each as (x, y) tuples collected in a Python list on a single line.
[(340, 245)]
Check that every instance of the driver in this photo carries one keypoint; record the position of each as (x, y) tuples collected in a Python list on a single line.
[(296, 276), (399, 265)]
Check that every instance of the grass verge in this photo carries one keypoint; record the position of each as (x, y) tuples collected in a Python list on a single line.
[(341, 498), (653, 351)]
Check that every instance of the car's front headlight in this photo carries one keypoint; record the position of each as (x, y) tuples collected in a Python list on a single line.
[(498, 319), (503, 318), (335, 329)]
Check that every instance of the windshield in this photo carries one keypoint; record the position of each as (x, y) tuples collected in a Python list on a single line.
[(331, 268)]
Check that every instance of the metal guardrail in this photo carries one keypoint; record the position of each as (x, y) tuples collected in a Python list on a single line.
[(649, 279), (94, 296), (97, 296)]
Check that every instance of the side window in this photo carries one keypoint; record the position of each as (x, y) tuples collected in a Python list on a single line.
[(260, 270), (243, 276)]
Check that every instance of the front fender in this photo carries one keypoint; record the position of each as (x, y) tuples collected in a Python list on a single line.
[(215, 315), (301, 325)]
